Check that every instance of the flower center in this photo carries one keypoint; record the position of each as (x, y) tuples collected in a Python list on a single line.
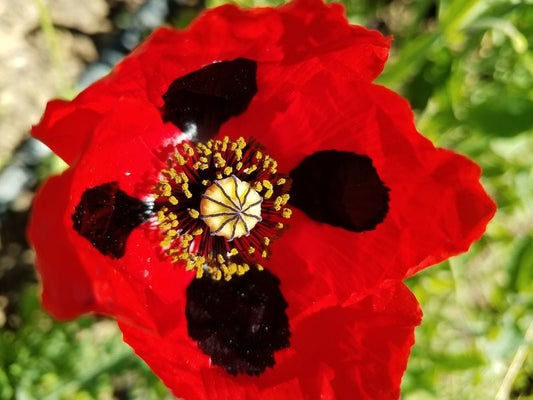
[(230, 208), (220, 205)]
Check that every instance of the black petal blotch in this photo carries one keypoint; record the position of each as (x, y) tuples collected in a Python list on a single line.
[(239, 323), (341, 189), (105, 216), (203, 100)]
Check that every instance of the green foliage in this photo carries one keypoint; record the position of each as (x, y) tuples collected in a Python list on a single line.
[(466, 66), (468, 74), (81, 360)]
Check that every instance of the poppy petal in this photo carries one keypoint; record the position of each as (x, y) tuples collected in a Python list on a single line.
[(202, 100), (341, 189), (75, 282), (239, 323), (129, 147), (106, 216), (298, 31), (362, 354), (69, 291), (365, 346), (437, 206), (66, 128), (301, 30), (119, 289)]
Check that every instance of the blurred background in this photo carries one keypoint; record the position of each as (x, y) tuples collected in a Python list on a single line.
[(466, 66)]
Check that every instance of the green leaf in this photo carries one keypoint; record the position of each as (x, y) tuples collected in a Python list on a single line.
[(460, 361), (521, 267)]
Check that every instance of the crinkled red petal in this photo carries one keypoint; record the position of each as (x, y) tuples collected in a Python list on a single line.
[(127, 148), (75, 281), (66, 128), (68, 289), (437, 205), (362, 354), (301, 30), (77, 278)]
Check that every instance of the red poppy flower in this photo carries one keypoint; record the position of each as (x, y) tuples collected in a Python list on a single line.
[(246, 203)]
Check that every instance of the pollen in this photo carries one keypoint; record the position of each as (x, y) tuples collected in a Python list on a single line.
[(219, 205)]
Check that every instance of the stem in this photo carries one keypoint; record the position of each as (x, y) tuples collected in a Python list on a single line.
[(514, 367)]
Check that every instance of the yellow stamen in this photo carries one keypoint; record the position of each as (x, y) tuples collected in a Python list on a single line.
[(228, 171), (231, 204), (194, 213)]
